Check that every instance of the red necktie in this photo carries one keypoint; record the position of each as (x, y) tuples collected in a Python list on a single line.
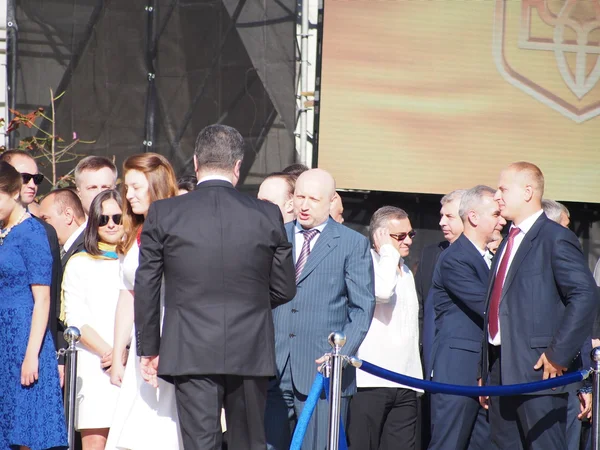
[(308, 235), (499, 283)]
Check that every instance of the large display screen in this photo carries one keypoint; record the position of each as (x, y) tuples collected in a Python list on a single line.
[(433, 95)]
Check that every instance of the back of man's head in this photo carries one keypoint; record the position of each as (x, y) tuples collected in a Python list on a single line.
[(218, 149), (556, 211), (295, 170), (67, 198)]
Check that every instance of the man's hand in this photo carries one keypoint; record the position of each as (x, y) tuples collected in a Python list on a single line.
[(322, 360), (586, 405), (551, 370), (61, 375), (149, 368), (381, 237), (483, 400)]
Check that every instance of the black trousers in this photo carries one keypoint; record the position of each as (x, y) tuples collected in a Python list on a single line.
[(528, 422), (200, 399), (382, 419)]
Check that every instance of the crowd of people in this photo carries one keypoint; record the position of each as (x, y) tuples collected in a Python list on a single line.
[(204, 312)]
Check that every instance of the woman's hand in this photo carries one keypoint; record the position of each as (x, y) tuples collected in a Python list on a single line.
[(29, 370), (117, 371)]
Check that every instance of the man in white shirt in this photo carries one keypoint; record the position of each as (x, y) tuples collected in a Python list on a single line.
[(383, 414), (541, 304)]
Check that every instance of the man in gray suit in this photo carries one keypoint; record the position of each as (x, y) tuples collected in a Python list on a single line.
[(335, 291)]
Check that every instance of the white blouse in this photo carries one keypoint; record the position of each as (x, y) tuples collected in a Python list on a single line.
[(392, 341)]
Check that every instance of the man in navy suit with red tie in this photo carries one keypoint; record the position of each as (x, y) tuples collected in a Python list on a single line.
[(542, 301)]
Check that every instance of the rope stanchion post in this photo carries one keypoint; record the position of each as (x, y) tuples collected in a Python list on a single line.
[(596, 400), (337, 340), (72, 336)]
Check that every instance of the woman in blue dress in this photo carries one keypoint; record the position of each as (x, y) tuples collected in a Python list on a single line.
[(31, 408)]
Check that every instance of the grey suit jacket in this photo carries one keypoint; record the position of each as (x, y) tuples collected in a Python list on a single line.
[(335, 292)]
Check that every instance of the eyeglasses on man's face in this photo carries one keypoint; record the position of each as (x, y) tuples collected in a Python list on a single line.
[(401, 236)]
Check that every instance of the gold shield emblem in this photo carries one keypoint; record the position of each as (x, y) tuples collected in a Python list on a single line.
[(550, 49)]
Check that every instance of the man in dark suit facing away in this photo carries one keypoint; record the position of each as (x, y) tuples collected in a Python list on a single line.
[(226, 261), (542, 301), (459, 295)]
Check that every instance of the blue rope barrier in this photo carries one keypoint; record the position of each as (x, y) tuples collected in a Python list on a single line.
[(471, 391), (343, 444), (307, 412)]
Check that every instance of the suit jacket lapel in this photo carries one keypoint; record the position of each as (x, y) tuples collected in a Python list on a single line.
[(290, 228), (326, 242), (478, 260), (522, 251)]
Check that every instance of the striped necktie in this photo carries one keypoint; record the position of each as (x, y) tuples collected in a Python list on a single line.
[(308, 236)]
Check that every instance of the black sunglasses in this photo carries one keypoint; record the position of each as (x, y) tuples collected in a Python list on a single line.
[(116, 218), (37, 178), (400, 237)]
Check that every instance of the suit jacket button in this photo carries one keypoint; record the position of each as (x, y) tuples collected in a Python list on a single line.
[(294, 310), (292, 335)]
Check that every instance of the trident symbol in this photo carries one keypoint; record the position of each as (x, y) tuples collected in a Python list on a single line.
[(576, 80)]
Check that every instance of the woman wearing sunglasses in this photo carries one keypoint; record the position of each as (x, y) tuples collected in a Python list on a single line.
[(91, 291), (31, 408), (145, 418)]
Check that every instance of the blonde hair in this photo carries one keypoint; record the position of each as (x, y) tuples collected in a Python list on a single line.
[(532, 173)]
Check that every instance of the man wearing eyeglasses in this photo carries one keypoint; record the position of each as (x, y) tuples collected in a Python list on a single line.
[(27, 167), (383, 414), (458, 295)]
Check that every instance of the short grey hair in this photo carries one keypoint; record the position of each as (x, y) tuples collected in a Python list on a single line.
[(452, 196), (219, 147), (554, 209), (472, 199), (382, 216)]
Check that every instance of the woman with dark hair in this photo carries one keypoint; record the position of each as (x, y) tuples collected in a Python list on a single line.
[(186, 184), (145, 418), (91, 291), (31, 408)]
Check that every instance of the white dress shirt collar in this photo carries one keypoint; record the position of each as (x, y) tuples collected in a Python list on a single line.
[(213, 178), (74, 237), (299, 228), (526, 225)]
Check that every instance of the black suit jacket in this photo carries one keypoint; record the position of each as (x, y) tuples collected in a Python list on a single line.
[(548, 303), (55, 286), (424, 274), (226, 259), (458, 294)]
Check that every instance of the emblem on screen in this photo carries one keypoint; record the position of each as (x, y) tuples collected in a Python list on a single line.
[(550, 49)]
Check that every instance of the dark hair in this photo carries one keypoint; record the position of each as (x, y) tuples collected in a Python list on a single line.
[(93, 164), (90, 237), (8, 155), (288, 178), (162, 183), (219, 147), (67, 198), (10, 179), (295, 170), (187, 182)]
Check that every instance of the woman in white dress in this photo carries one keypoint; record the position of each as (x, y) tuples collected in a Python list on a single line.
[(145, 418), (91, 291)]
